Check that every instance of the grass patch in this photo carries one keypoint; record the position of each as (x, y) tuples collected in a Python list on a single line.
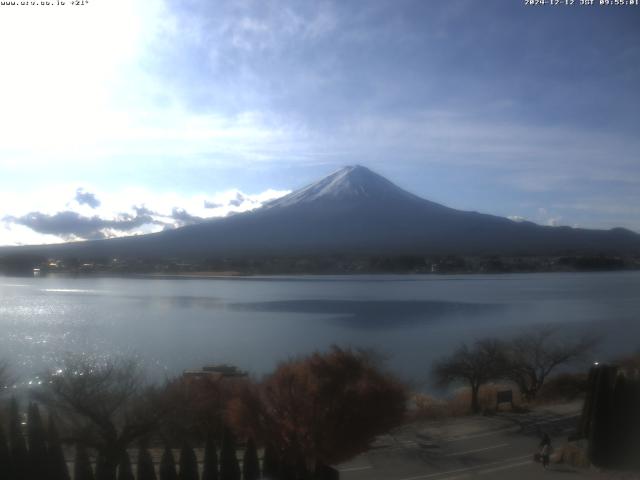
[(427, 407), (571, 454)]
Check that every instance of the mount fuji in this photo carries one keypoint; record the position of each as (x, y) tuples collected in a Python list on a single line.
[(354, 211)]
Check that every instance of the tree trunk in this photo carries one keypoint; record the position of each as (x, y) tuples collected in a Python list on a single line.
[(475, 404), (533, 389)]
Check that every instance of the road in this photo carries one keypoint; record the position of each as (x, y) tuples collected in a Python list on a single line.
[(497, 447)]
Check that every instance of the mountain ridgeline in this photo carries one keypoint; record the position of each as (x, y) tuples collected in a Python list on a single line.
[(352, 211)]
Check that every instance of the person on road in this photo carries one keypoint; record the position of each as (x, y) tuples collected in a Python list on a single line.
[(545, 450)]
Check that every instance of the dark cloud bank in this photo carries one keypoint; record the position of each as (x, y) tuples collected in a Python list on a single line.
[(68, 224)]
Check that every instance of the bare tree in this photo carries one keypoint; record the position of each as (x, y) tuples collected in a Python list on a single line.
[(106, 407), (475, 365), (534, 355)]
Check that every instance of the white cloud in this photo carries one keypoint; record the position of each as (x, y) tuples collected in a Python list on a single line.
[(545, 217), (131, 211), (12, 234)]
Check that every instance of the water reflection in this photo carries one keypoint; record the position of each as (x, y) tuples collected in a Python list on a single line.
[(381, 314), (254, 323)]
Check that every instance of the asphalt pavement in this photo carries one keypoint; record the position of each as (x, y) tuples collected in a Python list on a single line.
[(496, 447)]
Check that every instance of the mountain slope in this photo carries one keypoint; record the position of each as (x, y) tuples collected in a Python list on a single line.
[(354, 210)]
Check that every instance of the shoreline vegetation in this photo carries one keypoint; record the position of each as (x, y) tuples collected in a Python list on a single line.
[(107, 409), (24, 264), (290, 423)]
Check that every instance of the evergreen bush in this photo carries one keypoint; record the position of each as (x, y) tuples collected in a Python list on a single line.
[(125, 472), (56, 462), (168, 466), (18, 447), (250, 462), (145, 464), (229, 468), (82, 465), (5, 456), (210, 470), (37, 440), (188, 463)]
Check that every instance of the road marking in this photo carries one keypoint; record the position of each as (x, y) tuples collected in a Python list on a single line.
[(490, 470), (505, 467), (355, 469), (468, 469), (407, 443), (457, 477), (515, 428), (478, 435), (554, 420), (399, 445), (477, 450)]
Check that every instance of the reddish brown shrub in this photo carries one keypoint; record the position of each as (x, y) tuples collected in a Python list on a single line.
[(322, 409), (563, 387)]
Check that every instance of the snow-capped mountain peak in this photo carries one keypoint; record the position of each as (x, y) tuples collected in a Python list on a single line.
[(348, 183), (353, 211)]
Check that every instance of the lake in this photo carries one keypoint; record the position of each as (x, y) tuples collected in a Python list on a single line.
[(255, 322)]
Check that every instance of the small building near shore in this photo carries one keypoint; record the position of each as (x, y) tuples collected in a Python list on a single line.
[(215, 372)]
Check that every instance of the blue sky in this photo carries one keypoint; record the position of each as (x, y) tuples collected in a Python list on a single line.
[(171, 106)]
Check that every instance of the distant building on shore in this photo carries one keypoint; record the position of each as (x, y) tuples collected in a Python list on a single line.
[(215, 372)]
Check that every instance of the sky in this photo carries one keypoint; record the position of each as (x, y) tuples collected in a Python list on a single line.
[(120, 117)]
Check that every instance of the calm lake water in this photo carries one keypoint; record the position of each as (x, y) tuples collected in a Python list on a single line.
[(255, 322)]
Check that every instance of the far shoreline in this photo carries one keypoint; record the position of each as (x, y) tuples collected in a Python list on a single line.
[(234, 275)]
